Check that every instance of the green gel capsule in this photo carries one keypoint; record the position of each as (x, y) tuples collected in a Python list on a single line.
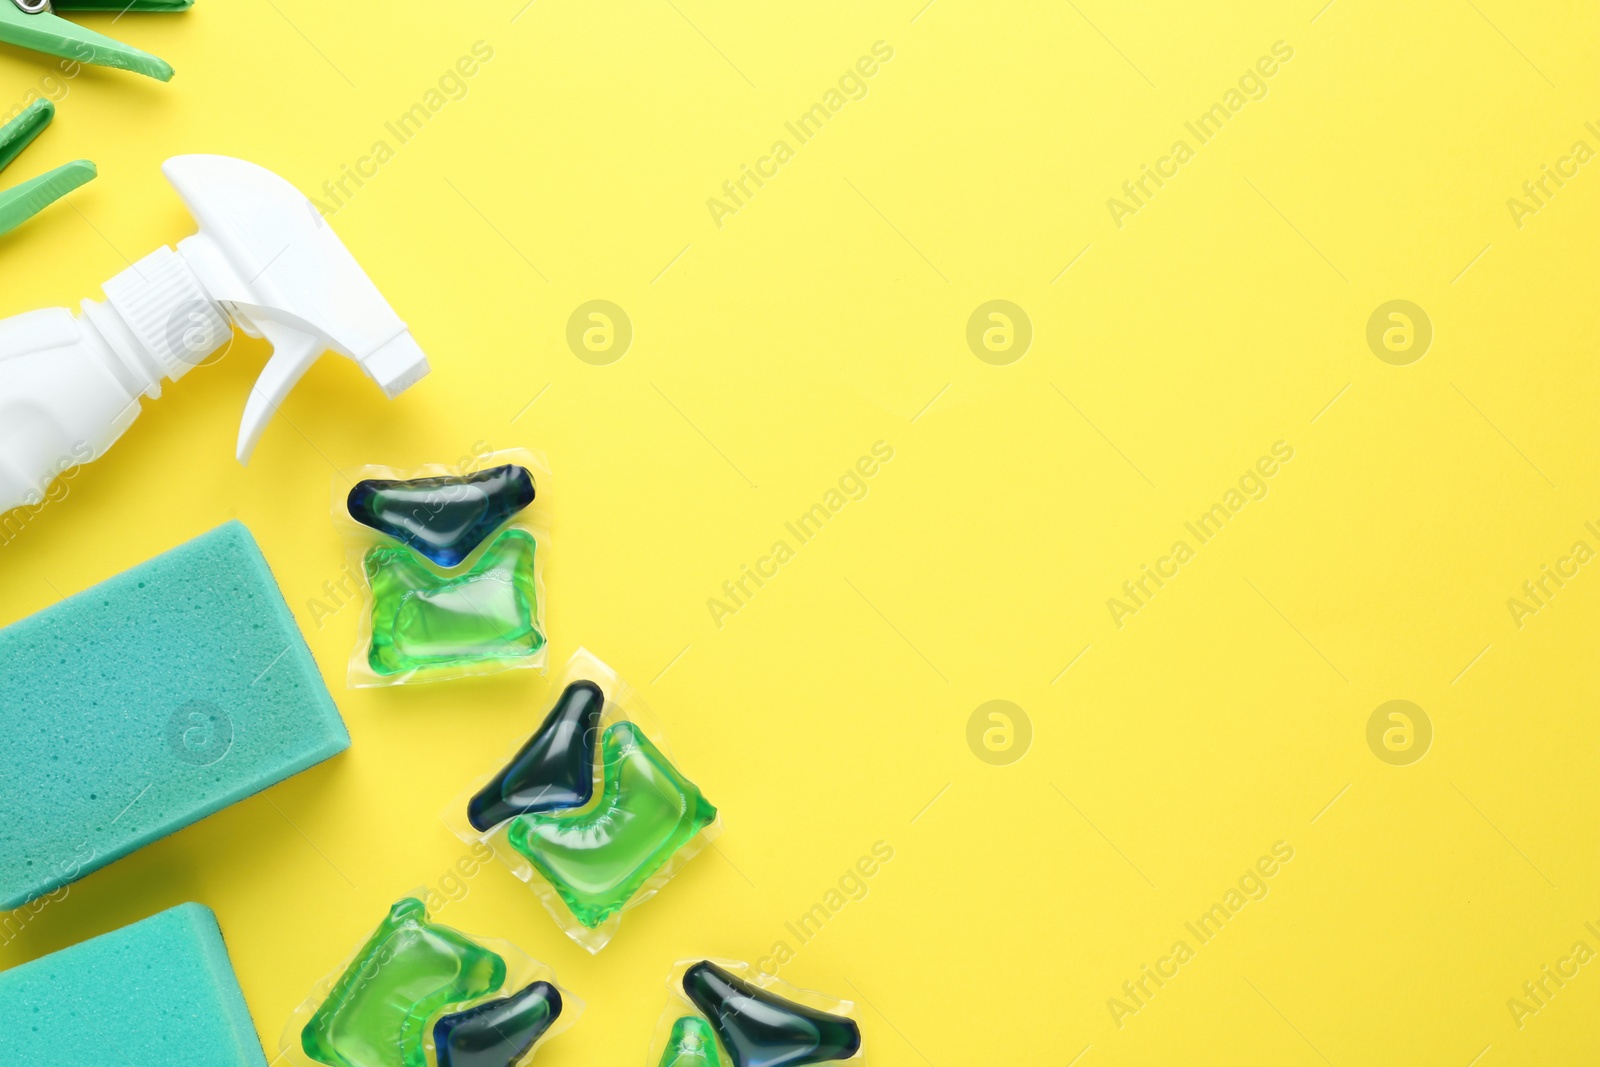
[(598, 859), (692, 1044), (421, 620), (409, 970)]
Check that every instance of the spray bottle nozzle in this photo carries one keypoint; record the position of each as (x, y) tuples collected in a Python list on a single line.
[(269, 260)]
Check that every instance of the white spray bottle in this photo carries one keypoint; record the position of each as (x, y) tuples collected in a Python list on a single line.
[(264, 261)]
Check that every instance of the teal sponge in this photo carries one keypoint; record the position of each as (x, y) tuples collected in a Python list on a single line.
[(157, 993), (146, 703)]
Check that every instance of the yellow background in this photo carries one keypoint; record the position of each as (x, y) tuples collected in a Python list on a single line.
[(830, 313)]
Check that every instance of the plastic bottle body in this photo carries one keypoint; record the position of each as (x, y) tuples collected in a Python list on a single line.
[(62, 401), (70, 384)]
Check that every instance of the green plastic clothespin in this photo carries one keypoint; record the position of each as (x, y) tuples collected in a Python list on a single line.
[(33, 24), (31, 197)]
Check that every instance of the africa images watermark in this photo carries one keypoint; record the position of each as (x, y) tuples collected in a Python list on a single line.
[(852, 887), (13, 923), (852, 485), (1537, 993), (1251, 886), (1252, 85), (1138, 592), (1537, 592), (1538, 192), (50, 86), (14, 521), (451, 87), (455, 883), (852, 85)]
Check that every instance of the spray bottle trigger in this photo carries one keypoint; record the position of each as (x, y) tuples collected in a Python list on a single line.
[(293, 353)]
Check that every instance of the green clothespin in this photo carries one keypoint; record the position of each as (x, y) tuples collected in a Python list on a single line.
[(31, 197), (32, 24)]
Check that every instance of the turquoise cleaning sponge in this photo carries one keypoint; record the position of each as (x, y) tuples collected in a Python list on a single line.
[(154, 994), (146, 703)]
